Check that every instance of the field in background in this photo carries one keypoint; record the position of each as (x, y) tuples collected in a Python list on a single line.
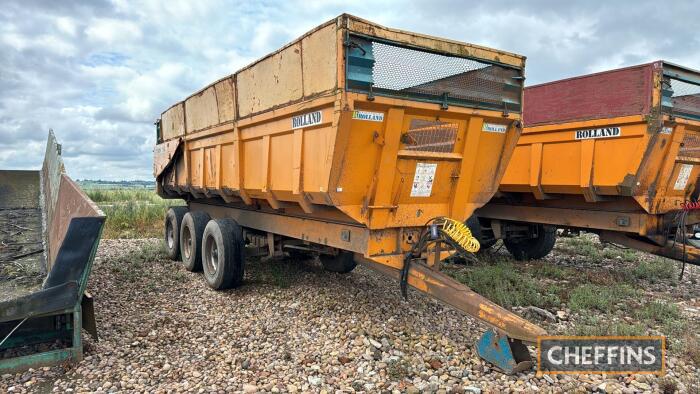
[(132, 212)]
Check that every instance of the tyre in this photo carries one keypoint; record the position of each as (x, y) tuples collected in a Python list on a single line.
[(484, 236), (191, 231), (533, 248), (173, 221), (342, 263), (299, 254), (223, 254)]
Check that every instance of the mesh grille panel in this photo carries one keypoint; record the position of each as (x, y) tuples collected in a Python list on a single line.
[(691, 146), (685, 97), (406, 72), (430, 136)]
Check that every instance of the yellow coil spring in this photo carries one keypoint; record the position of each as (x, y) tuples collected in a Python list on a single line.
[(460, 233)]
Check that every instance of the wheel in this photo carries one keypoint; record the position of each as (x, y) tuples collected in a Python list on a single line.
[(483, 235), (533, 248), (173, 221), (486, 245), (299, 254), (191, 231), (342, 263), (223, 257)]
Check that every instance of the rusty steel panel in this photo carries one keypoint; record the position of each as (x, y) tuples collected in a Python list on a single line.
[(61, 200), (71, 202), (458, 48), (163, 155), (51, 172), (226, 100), (608, 94), (173, 122), (311, 66), (201, 110), (272, 82), (320, 72)]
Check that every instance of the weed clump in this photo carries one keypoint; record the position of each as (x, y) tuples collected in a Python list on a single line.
[(507, 286), (602, 298), (657, 271)]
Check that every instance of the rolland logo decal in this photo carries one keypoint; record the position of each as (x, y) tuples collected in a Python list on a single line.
[(305, 120), (605, 132), (601, 355)]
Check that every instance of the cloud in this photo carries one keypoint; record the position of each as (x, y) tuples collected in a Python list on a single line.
[(100, 72), (112, 31)]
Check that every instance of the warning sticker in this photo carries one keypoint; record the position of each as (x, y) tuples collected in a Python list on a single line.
[(423, 179), (683, 175)]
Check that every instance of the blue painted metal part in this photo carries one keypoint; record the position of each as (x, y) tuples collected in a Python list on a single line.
[(508, 355)]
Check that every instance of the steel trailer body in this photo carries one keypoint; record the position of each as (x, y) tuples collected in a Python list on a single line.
[(352, 138), (68, 233), (613, 152)]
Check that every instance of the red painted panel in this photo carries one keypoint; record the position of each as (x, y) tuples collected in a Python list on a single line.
[(621, 92)]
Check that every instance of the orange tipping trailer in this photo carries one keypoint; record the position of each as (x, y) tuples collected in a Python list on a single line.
[(616, 153), (356, 142)]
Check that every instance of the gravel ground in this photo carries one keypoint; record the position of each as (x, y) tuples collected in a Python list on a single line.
[(292, 327)]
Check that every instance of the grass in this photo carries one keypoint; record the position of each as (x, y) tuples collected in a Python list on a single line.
[(122, 195), (628, 255), (659, 311), (504, 284), (603, 298), (132, 213), (582, 246), (551, 271), (595, 326), (657, 270)]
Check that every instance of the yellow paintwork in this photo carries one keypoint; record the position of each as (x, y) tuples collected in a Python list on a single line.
[(642, 163), (340, 182), (342, 163), (360, 168)]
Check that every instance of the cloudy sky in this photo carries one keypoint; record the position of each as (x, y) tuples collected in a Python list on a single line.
[(100, 72)]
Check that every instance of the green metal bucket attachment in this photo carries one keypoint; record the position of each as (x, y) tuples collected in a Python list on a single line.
[(508, 355)]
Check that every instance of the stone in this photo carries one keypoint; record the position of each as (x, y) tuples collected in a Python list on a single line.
[(545, 314), (435, 364), (412, 390), (640, 385)]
